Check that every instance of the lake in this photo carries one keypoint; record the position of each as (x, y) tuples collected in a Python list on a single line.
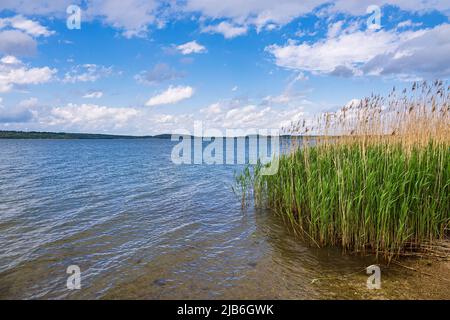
[(139, 226)]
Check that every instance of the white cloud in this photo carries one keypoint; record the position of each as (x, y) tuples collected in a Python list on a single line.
[(90, 116), (33, 28), (335, 29), (227, 29), (244, 116), (238, 115), (17, 114), (93, 95), (29, 103), (10, 60), (325, 56), (17, 74), (408, 24), (171, 95), (41, 7), (262, 13), (191, 47), (300, 77), (134, 17), (212, 109), (95, 118), (347, 53), (15, 42), (87, 73), (233, 114), (359, 7), (254, 12), (18, 39), (426, 53), (130, 16)]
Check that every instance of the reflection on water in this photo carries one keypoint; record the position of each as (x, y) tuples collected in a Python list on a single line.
[(141, 227)]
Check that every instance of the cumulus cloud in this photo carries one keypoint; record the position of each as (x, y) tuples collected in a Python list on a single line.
[(227, 29), (29, 103), (19, 22), (262, 13), (87, 73), (17, 35), (14, 73), (232, 114), (41, 7), (171, 95), (15, 114), (212, 109), (254, 12), (368, 52), (426, 54), (134, 17), (89, 116), (325, 55), (15, 42), (10, 60), (131, 17), (241, 115), (191, 47)]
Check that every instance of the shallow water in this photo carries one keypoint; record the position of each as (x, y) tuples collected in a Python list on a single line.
[(139, 226)]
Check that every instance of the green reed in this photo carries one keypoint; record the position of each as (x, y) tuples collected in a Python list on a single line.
[(377, 199), (381, 194)]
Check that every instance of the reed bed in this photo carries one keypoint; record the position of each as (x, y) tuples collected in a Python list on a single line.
[(371, 177)]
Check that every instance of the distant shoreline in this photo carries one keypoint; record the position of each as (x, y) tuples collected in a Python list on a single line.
[(77, 136), (71, 136)]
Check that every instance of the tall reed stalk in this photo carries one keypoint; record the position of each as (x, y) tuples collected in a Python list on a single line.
[(375, 178)]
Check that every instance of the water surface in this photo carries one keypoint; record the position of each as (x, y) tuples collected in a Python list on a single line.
[(139, 226)]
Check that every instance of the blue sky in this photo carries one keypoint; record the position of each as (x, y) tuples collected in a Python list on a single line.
[(148, 67)]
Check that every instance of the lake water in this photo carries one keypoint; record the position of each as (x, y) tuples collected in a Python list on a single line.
[(139, 226)]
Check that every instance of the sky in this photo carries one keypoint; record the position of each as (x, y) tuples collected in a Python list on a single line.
[(159, 66)]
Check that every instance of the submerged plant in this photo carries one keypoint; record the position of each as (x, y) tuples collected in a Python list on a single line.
[(374, 178)]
